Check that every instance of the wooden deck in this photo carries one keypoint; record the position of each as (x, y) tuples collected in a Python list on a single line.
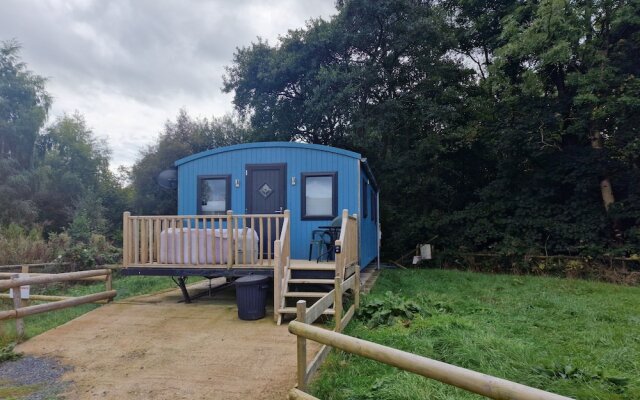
[(233, 246)]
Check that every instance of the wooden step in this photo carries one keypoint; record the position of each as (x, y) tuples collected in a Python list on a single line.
[(305, 294), (313, 267), (313, 281), (292, 310)]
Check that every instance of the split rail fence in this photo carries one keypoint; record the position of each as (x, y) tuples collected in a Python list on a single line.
[(307, 316), (472, 381), (21, 307)]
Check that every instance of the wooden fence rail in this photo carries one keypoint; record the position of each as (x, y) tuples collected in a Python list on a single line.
[(309, 315), (27, 266), (21, 309), (472, 381)]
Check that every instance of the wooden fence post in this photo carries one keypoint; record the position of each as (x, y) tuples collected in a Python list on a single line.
[(277, 280), (230, 238), (126, 238), (24, 302), (108, 284), (17, 303), (337, 304), (301, 316), (356, 288)]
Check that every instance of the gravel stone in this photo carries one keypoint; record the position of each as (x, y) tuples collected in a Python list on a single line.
[(29, 370)]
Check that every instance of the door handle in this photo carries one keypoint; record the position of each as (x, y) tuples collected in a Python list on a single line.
[(278, 211)]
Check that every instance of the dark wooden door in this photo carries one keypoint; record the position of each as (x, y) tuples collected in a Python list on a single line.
[(266, 194)]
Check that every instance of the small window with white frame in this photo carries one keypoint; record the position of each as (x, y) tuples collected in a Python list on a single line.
[(214, 194), (319, 195)]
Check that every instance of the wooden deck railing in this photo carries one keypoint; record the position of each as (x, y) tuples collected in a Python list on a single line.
[(347, 244), (20, 307), (282, 262), (224, 241)]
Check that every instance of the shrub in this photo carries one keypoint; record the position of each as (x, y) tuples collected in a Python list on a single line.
[(386, 310)]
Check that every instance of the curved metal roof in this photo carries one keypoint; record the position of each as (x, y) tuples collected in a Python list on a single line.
[(255, 145)]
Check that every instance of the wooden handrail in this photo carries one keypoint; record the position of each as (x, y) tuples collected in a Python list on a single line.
[(281, 258), (472, 381)]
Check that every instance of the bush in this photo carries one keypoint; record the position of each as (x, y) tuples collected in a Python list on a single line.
[(386, 310), (19, 246)]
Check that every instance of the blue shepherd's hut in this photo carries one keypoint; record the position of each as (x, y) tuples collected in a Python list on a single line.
[(314, 182), (303, 214)]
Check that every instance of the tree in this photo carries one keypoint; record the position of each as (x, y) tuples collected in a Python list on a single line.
[(179, 139), (24, 104), (493, 125), (70, 163)]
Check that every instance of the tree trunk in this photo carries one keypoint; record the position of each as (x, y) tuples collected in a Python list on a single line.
[(605, 182)]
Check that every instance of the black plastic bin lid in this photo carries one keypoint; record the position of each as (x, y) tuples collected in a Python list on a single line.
[(252, 280)]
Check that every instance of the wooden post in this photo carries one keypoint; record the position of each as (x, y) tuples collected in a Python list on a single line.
[(277, 280), (356, 288), (337, 304), (17, 303), (301, 309), (230, 239), (24, 302), (339, 259), (126, 237), (287, 237), (108, 284)]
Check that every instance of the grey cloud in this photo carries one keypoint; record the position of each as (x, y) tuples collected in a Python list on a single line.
[(132, 55)]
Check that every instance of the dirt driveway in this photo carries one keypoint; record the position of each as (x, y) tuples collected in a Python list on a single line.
[(155, 348)]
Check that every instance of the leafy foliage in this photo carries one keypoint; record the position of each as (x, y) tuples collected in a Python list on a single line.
[(179, 139), (493, 125), (7, 353), (386, 310)]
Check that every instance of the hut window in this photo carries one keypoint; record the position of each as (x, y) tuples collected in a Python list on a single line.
[(319, 195), (214, 194)]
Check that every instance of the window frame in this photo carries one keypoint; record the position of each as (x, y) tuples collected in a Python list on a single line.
[(334, 196), (227, 200)]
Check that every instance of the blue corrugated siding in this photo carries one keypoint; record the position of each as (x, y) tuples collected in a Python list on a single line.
[(298, 159), (368, 227)]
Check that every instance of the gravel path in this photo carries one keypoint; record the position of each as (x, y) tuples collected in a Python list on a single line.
[(152, 347), (43, 373)]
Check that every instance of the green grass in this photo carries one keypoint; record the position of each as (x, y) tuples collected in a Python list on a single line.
[(577, 338), (126, 286)]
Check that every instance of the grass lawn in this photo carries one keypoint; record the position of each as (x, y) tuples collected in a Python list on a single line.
[(126, 286), (577, 338)]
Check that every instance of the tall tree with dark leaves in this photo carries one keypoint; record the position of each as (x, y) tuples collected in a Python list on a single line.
[(179, 139), (24, 104)]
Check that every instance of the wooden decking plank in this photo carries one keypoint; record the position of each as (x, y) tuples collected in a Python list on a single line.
[(292, 310), (305, 294), (313, 281)]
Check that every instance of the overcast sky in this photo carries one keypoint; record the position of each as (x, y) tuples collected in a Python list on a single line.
[(129, 65)]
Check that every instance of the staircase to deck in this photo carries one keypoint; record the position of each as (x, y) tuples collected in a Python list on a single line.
[(305, 280), (312, 281)]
